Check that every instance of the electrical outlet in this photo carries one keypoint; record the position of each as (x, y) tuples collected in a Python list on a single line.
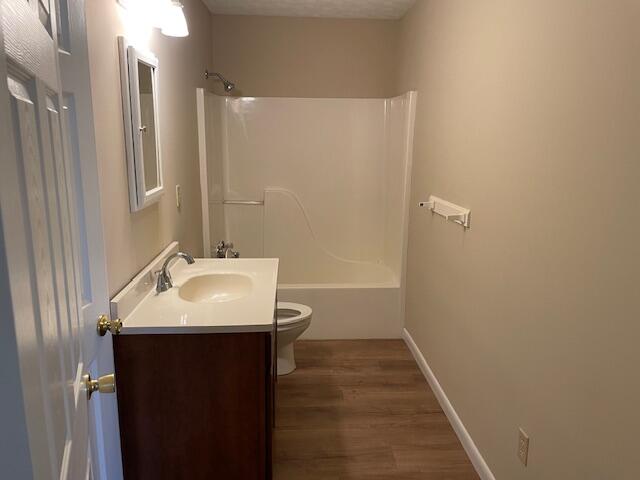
[(523, 446)]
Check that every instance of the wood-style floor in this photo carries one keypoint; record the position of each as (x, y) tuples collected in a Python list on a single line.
[(361, 409)]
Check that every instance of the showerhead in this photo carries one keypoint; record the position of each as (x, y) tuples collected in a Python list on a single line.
[(228, 86)]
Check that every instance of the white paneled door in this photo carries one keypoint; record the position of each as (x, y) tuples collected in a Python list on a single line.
[(52, 265)]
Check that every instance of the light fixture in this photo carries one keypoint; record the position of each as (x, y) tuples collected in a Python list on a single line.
[(174, 23), (167, 15)]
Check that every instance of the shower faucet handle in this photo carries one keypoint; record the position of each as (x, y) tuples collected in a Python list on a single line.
[(222, 244), (222, 249)]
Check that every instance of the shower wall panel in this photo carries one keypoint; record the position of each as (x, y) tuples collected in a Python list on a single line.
[(331, 178)]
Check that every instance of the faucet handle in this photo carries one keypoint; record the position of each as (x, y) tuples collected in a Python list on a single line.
[(222, 248), (163, 280), (157, 274), (163, 284)]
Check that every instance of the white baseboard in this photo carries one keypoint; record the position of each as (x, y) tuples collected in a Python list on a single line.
[(467, 442)]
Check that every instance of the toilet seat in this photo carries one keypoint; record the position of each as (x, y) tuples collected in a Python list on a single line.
[(289, 314)]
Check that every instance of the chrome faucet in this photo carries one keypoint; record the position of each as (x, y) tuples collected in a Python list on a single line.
[(225, 250), (165, 282)]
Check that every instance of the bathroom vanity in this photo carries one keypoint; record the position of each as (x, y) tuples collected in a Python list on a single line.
[(195, 372)]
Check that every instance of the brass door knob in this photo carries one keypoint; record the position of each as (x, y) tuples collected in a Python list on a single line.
[(105, 324), (104, 384)]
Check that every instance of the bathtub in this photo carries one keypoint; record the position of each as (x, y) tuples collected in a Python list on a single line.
[(348, 310), (369, 305)]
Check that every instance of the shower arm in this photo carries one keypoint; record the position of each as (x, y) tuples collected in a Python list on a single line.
[(228, 86), (208, 74)]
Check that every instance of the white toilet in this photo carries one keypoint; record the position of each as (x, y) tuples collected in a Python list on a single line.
[(293, 319)]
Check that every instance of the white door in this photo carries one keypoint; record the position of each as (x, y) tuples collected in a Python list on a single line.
[(52, 264)]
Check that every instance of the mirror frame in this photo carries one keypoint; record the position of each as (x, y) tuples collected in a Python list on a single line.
[(139, 196)]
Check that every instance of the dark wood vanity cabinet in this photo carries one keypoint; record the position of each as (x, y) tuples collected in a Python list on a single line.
[(195, 406)]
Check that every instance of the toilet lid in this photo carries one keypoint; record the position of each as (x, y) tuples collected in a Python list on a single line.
[(289, 313)]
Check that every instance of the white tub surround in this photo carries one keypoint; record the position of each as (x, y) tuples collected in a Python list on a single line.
[(323, 185), (210, 296)]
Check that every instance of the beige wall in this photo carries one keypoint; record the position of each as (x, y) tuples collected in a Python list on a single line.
[(529, 114), (132, 240), (306, 57)]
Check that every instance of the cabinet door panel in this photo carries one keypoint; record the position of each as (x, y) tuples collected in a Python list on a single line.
[(194, 406)]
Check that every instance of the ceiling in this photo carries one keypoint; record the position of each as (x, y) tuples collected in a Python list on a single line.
[(381, 9)]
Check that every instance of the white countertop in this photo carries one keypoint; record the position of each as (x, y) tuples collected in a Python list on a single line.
[(167, 312)]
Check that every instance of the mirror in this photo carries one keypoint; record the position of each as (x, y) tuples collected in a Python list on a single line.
[(139, 76), (148, 128)]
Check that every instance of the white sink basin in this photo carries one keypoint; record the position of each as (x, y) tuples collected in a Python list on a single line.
[(214, 295), (216, 287)]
